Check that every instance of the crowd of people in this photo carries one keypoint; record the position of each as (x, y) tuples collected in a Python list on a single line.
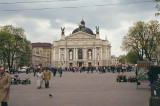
[(91, 69), (44, 73), (101, 69)]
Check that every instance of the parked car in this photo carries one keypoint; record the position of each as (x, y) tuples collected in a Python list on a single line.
[(22, 69)]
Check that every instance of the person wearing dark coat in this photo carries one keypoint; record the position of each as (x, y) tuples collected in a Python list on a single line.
[(88, 69), (91, 69), (60, 72), (54, 71)]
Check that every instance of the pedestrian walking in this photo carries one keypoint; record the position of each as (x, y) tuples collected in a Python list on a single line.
[(54, 71), (91, 69), (74, 69), (80, 69), (46, 77), (88, 69), (34, 71), (118, 69), (60, 72), (113, 68), (101, 70), (40, 77), (5, 81), (27, 70)]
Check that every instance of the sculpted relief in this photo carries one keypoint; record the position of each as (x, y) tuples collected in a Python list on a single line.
[(98, 52), (81, 36), (62, 53)]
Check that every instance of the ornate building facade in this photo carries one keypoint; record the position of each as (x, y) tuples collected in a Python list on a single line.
[(81, 48)]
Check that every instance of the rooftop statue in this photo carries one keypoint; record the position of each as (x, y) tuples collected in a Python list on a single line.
[(97, 29), (62, 30)]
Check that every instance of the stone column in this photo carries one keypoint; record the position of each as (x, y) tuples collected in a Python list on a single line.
[(93, 54), (106, 53), (52, 54), (101, 53), (85, 56), (84, 53), (74, 55), (109, 53), (65, 54), (59, 54), (65, 58)]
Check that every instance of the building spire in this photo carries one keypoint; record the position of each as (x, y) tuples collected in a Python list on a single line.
[(82, 22)]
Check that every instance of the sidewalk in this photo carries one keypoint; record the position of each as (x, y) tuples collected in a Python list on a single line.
[(80, 89)]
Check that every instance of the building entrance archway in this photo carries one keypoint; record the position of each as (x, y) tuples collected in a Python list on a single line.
[(70, 64), (80, 64), (89, 64)]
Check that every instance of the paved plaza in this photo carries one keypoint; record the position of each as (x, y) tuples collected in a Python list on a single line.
[(80, 89)]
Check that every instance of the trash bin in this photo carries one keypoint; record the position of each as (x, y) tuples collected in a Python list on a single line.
[(155, 94), (155, 89), (154, 101)]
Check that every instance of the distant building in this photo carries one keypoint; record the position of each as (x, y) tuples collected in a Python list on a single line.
[(114, 60), (38, 59), (43, 52), (81, 48)]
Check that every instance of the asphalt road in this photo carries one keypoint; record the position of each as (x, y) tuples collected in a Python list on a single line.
[(80, 89)]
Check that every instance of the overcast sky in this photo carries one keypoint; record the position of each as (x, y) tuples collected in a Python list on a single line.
[(114, 17)]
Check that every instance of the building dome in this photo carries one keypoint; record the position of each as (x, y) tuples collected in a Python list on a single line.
[(83, 28)]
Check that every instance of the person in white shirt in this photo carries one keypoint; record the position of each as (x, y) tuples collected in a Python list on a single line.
[(40, 77)]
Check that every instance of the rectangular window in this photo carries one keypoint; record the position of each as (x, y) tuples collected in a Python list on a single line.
[(70, 54), (89, 55)]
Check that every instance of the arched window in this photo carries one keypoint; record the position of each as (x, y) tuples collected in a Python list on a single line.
[(80, 54), (70, 54), (89, 54)]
